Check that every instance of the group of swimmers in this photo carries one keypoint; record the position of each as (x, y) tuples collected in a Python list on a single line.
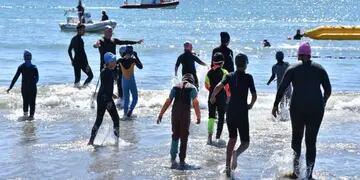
[(228, 93)]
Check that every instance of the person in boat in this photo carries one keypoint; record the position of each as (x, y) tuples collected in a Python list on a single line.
[(187, 60), (307, 105), (213, 77), (81, 11), (184, 96), (266, 43), (30, 77), (278, 71), (104, 16), (298, 35), (226, 51), (104, 97), (127, 65), (237, 118), (108, 44), (79, 61)]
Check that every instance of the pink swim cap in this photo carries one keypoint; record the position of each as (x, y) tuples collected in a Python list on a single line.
[(304, 49)]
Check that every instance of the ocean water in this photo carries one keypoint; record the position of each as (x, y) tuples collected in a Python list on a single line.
[(54, 145)]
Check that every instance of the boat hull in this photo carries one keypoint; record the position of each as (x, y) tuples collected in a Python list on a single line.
[(168, 5), (334, 33), (89, 27)]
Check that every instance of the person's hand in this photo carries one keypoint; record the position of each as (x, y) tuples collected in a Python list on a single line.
[(268, 83), (7, 91), (176, 74), (159, 119), (198, 121), (109, 105), (250, 106), (275, 111), (212, 100), (140, 41), (97, 44)]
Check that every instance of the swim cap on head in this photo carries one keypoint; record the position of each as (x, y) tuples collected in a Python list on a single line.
[(225, 37), (304, 49), (279, 55), (218, 58), (129, 50), (188, 78), (27, 55), (109, 57), (79, 26), (122, 50), (241, 60), (107, 27)]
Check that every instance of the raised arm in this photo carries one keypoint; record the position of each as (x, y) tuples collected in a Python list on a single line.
[(18, 72), (126, 42)]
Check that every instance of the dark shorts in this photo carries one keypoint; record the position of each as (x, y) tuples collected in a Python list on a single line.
[(238, 122)]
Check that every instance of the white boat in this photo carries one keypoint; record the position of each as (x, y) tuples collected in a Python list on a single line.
[(90, 26)]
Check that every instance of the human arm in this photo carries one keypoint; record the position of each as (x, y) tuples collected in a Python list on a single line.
[(197, 110), (137, 61), (36, 75), (18, 72), (70, 50), (253, 92), (126, 42), (284, 84), (200, 62), (216, 91), (325, 82), (163, 109), (207, 82), (271, 79)]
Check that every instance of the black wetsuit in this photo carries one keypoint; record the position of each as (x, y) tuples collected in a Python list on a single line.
[(187, 60), (104, 97), (298, 36), (104, 17), (228, 55), (79, 61), (307, 104), (109, 45), (30, 77), (237, 112)]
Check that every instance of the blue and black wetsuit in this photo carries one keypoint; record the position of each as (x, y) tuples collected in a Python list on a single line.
[(228, 55), (187, 60), (79, 61), (104, 97), (30, 77), (129, 83), (307, 104), (237, 112)]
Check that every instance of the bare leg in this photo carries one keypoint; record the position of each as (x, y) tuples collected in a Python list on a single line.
[(243, 146)]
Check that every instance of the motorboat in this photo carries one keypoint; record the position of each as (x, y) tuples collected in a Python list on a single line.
[(148, 4), (90, 26)]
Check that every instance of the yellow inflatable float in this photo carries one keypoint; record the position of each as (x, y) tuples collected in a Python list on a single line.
[(334, 33)]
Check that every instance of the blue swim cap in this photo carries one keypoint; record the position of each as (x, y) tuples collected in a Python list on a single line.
[(27, 55), (109, 57)]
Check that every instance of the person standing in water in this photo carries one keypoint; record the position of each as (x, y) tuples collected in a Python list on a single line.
[(213, 77), (30, 77), (187, 60), (81, 11), (226, 51), (108, 44), (298, 35), (184, 95), (127, 64), (278, 71), (104, 97), (79, 61), (237, 117), (307, 105), (104, 16)]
